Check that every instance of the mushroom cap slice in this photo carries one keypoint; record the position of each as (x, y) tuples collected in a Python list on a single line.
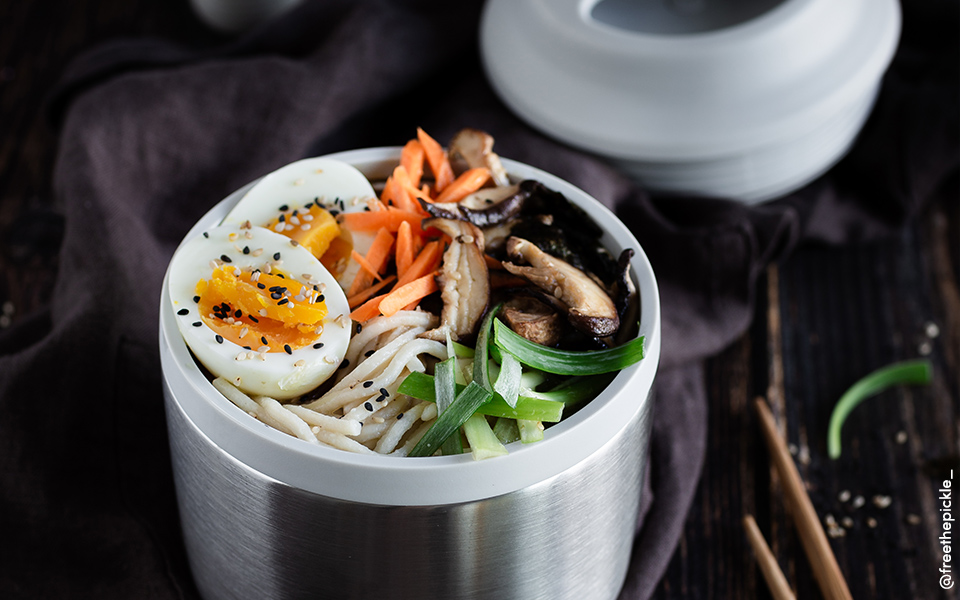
[(532, 319), (472, 148), (464, 281), (588, 306)]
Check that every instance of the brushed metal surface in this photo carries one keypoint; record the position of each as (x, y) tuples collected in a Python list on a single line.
[(248, 536)]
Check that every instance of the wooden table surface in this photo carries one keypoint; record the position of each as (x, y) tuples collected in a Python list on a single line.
[(825, 317)]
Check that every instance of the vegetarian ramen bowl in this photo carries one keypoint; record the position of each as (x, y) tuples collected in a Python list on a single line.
[(505, 503)]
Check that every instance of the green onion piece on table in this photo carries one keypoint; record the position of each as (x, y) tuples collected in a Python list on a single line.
[(467, 402), (906, 372), (421, 387), (567, 362)]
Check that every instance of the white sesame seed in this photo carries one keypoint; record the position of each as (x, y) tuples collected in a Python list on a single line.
[(255, 276), (266, 268), (329, 360), (298, 182), (213, 264), (558, 292), (881, 501), (288, 227), (299, 297), (262, 356), (340, 320), (248, 235), (318, 330), (466, 239), (306, 217), (859, 501), (299, 363), (844, 496), (305, 227), (263, 312), (257, 252), (315, 429), (237, 381), (263, 349), (251, 354), (230, 320), (279, 227), (294, 221), (241, 356), (355, 201), (244, 332), (246, 224), (377, 420)]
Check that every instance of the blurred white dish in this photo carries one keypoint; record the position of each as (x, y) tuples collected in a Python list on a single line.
[(744, 100)]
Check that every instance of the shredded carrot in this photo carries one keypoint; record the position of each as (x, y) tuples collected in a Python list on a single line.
[(405, 193), (389, 219), (467, 183), (373, 263), (427, 261), (411, 159), (367, 310), (437, 159), (404, 295), (361, 297), (492, 263), (406, 252)]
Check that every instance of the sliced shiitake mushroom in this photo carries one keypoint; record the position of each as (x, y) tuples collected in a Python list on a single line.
[(464, 282), (489, 207), (532, 319), (472, 148), (588, 306)]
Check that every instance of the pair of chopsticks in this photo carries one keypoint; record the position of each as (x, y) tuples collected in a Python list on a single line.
[(812, 536)]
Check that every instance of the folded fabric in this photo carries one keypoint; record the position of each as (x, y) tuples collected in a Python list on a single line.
[(154, 134)]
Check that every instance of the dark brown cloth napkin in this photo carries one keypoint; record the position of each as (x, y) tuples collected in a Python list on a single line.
[(153, 135)]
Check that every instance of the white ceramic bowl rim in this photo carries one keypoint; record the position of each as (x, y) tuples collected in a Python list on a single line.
[(419, 481)]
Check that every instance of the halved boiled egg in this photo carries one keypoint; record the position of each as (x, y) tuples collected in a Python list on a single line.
[(301, 200), (259, 309)]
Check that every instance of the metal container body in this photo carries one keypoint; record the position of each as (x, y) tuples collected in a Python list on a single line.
[(265, 515), (249, 536)]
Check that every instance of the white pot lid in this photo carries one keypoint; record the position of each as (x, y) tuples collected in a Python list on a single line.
[(686, 80)]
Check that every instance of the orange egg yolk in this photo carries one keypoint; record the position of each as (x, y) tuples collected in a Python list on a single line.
[(266, 312), (311, 226)]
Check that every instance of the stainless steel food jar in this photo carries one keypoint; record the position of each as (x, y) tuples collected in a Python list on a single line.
[(265, 515)]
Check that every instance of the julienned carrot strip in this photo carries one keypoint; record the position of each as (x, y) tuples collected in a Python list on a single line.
[(361, 297), (467, 183), (406, 252), (437, 159), (367, 310), (405, 193), (406, 294), (373, 263), (492, 263), (411, 159), (426, 262), (389, 219)]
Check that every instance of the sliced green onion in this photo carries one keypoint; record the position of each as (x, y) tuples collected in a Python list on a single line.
[(467, 402), (530, 431), (462, 351), (421, 387), (480, 368), (906, 372), (483, 442), (506, 430), (576, 389), (531, 378), (445, 386), (567, 362), (508, 380)]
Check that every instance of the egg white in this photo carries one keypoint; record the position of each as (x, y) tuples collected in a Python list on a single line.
[(279, 375), (333, 184)]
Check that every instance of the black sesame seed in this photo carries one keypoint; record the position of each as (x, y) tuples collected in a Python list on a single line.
[(318, 345), (206, 234), (384, 392), (264, 340), (237, 314), (368, 406), (320, 298), (368, 353), (183, 311), (282, 302), (225, 258), (261, 286), (344, 364), (197, 323), (294, 243), (367, 384), (399, 416), (246, 249), (253, 318), (196, 299), (276, 256), (276, 295), (287, 349), (308, 205), (224, 307), (280, 275), (488, 201), (366, 209), (247, 348), (359, 327), (284, 208), (381, 398), (334, 213), (282, 218), (219, 338)]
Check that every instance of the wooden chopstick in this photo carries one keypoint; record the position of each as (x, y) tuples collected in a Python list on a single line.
[(776, 581), (812, 536)]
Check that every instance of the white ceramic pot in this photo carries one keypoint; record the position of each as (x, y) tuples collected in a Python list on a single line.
[(265, 515), (746, 100)]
